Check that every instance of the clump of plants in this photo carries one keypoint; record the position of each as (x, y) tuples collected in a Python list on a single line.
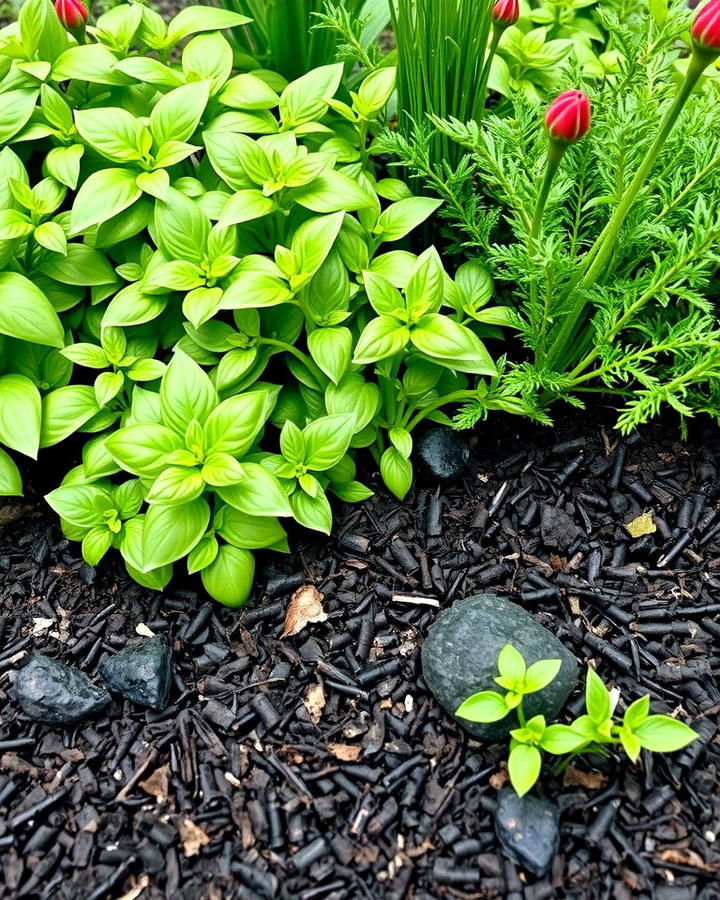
[(200, 274), (605, 245), (599, 730)]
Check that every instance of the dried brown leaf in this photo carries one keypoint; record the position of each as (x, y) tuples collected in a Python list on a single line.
[(192, 837), (576, 777), (345, 752), (687, 857), (305, 607), (157, 783), (314, 702)]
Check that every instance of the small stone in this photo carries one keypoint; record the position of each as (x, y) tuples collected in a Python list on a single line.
[(141, 672), (443, 453), (459, 658), (49, 691), (557, 528), (528, 829)]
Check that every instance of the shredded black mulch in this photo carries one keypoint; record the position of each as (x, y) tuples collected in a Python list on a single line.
[(318, 766)]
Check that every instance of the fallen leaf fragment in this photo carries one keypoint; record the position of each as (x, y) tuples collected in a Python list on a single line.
[(641, 526), (157, 783), (305, 607), (576, 777), (142, 883), (192, 837), (687, 858), (314, 702), (345, 752)]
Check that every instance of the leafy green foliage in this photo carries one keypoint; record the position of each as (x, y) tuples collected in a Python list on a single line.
[(593, 732), (200, 271), (642, 329)]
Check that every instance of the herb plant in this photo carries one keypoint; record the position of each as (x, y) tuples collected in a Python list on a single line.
[(611, 282), (596, 731), (204, 279)]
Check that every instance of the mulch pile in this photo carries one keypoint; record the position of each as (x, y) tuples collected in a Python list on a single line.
[(317, 765)]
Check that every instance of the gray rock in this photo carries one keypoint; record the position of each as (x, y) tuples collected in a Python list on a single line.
[(528, 829), (459, 658), (557, 528), (141, 672), (50, 691), (443, 453)]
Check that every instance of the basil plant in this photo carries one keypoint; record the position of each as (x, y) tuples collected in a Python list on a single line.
[(204, 274)]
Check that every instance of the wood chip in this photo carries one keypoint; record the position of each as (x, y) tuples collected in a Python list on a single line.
[(157, 784)]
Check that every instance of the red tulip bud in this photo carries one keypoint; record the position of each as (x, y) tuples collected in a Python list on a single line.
[(506, 12), (72, 13), (706, 27), (568, 116)]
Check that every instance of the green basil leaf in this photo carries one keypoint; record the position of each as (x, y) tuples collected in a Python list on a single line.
[(381, 337), (65, 410), (524, 765), (186, 393), (171, 532), (229, 578), (20, 414), (397, 472), (663, 734), (327, 440), (142, 449), (259, 494), (10, 481), (312, 512), (175, 485), (485, 706), (249, 532), (331, 348), (400, 218), (233, 426), (454, 345), (306, 98), (85, 505), (113, 133), (176, 115), (30, 316), (105, 194)]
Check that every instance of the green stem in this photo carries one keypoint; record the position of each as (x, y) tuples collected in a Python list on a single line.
[(307, 361), (556, 151), (454, 397), (604, 246), (521, 714), (485, 74)]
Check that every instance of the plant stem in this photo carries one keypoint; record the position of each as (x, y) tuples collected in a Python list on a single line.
[(485, 74), (599, 254), (454, 397), (556, 151)]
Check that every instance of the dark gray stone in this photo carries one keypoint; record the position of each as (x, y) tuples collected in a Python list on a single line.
[(444, 453), (141, 672), (459, 658), (50, 691), (557, 528), (528, 829)]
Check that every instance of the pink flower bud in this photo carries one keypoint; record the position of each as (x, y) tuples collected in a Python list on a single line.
[(506, 12), (72, 13), (706, 26), (568, 116)]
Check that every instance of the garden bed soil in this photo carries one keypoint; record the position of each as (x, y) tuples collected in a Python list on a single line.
[(318, 765)]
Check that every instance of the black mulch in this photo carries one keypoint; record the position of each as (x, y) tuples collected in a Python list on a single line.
[(383, 796)]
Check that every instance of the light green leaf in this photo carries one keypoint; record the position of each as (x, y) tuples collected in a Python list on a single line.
[(10, 481), (142, 449), (524, 765), (105, 194), (663, 734), (381, 337), (186, 393), (397, 472), (65, 410), (229, 578), (30, 316), (20, 414), (171, 532), (331, 348), (176, 115), (327, 440), (485, 706)]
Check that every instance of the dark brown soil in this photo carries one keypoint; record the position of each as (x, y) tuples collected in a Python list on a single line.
[(318, 766)]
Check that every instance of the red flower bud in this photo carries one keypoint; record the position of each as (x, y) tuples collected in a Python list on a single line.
[(568, 116), (72, 13), (506, 12), (706, 26)]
